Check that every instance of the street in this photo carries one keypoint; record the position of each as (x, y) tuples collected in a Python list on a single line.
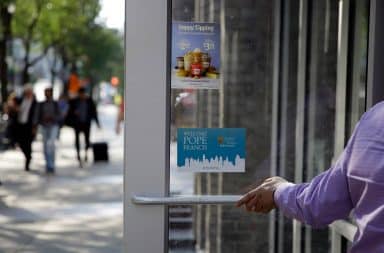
[(75, 210)]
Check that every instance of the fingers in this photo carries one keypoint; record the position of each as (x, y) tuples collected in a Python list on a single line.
[(248, 197), (256, 201), (253, 203), (244, 199), (251, 199), (251, 206)]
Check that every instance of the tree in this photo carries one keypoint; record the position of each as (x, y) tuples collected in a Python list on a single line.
[(6, 14), (98, 49), (103, 54), (45, 24), (67, 29)]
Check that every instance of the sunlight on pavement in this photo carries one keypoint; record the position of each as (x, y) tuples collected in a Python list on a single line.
[(76, 210)]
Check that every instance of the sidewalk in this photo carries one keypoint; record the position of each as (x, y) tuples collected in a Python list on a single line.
[(76, 210)]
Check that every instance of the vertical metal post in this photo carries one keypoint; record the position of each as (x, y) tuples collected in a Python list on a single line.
[(341, 92), (208, 215), (198, 176), (336, 242), (300, 113), (221, 118), (375, 87), (341, 87), (199, 215), (285, 74), (275, 112)]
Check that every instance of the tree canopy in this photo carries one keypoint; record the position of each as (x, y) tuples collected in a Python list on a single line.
[(69, 29)]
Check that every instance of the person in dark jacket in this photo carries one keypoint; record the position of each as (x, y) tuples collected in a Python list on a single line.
[(48, 117), (25, 129), (82, 110), (10, 109)]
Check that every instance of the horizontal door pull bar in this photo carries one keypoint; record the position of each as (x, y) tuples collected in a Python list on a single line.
[(186, 200)]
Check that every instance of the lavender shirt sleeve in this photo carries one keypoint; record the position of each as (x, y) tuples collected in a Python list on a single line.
[(325, 199)]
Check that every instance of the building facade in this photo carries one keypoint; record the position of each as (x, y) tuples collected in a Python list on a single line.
[(297, 75)]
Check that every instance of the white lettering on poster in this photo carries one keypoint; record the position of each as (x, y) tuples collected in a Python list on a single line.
[(196, 28)]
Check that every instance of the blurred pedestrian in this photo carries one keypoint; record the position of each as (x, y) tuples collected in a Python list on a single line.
[(120, 117), (73, 83), (25, 130), (63, 108), (11, 110), (48, 117), (82, 110)]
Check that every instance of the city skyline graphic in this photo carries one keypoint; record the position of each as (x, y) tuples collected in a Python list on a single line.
[(211, 149)]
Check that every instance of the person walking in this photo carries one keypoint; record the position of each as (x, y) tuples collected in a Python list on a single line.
[(63, 108), (25, 129), (120, 117), (82, 110), (10, 109), (355, 183), (48, 117), (73, 83)]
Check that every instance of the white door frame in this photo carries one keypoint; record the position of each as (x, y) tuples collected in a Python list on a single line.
[(146, 152)]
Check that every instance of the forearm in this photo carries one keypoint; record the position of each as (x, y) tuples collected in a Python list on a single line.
[(318, 203)]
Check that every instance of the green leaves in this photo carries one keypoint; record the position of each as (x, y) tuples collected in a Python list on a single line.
[(69, 27), (49, 21)]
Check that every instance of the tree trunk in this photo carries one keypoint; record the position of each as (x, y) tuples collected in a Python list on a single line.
[(53, 77), (25, 75), (5, 22), (3, 70), (64, 69), (53, 68), (28, 41)]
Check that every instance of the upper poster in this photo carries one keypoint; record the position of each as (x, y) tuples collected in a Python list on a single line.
[(195, 55)]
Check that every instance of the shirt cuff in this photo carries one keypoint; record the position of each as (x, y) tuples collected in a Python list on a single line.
[(279, 193)]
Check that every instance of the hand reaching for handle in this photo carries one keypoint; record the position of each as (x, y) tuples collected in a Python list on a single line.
[(260, 199)]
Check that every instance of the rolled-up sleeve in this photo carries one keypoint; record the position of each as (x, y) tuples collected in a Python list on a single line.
[(318, 203)]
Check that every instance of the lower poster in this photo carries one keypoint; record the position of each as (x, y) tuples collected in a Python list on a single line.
[(211, 149)]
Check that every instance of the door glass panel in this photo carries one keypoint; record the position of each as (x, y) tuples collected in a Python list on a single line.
[(358, 72), (244, 100), (288, 113), (358, 63), (320, 102)]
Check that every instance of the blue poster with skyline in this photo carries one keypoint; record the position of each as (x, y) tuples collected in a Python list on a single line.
[(211, 149), (195, 55)]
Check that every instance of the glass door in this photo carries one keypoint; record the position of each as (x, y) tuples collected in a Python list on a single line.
[(225, 83), (277, 83), (242, 98)]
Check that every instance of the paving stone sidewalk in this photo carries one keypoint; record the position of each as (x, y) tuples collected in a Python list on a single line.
[(75, 210)]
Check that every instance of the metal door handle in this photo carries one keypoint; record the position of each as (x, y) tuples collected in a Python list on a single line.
[(345, 228), (186, 200)]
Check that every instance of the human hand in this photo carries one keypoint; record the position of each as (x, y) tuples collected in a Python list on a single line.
[(260, 199)]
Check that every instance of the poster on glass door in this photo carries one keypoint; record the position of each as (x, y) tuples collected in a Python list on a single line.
[(195, 55), (211, 149)]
